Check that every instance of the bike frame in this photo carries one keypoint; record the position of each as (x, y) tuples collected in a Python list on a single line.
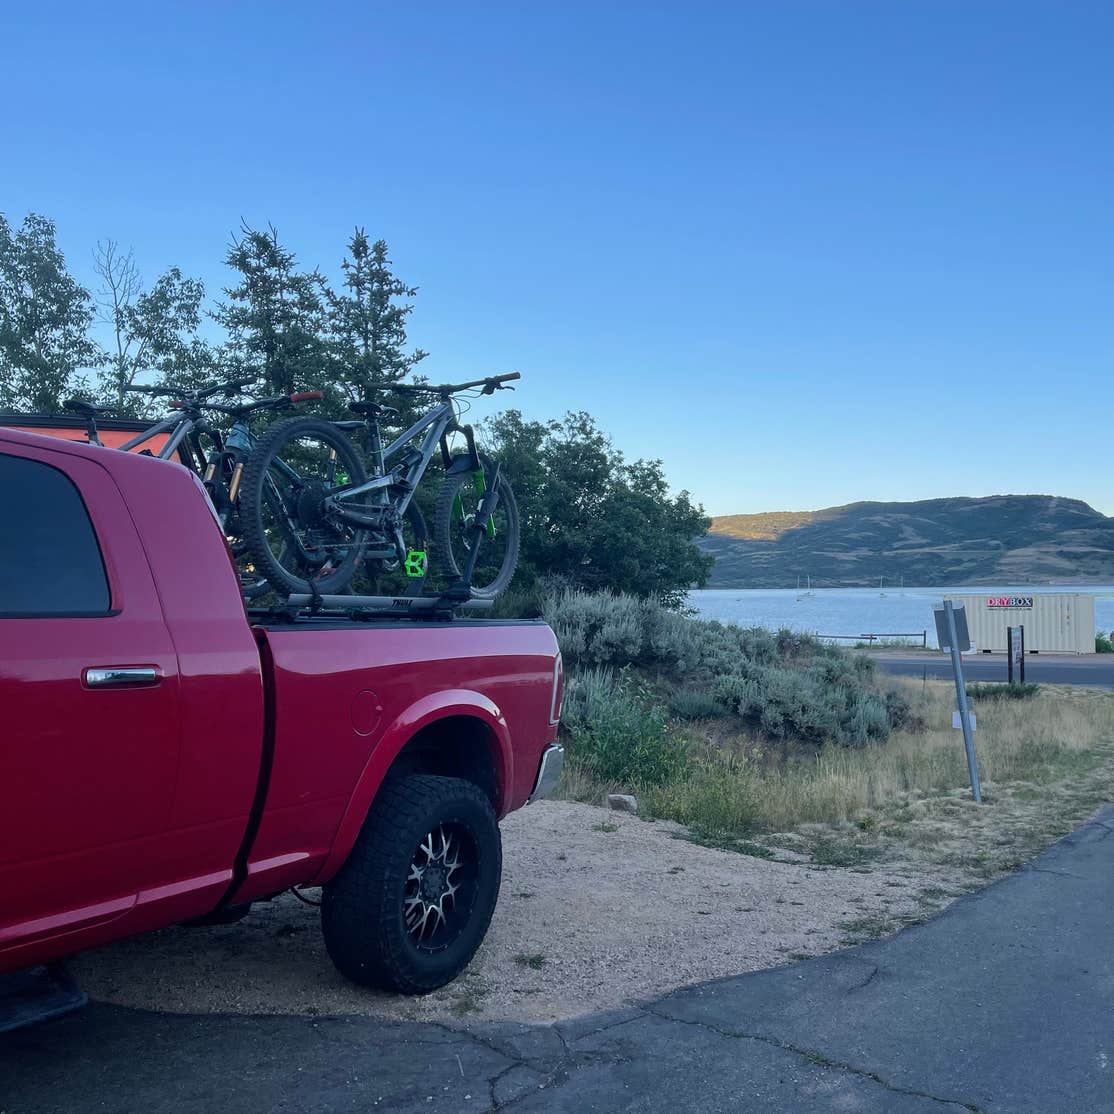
[(435, 425), (179, 429)]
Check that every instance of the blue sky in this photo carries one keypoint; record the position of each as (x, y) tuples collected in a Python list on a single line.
[(806, 253)]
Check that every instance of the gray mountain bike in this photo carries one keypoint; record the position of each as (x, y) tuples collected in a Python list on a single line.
[(326, 516), (218, 455)]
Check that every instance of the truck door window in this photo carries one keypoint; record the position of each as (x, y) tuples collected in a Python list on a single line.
[(50, 562)]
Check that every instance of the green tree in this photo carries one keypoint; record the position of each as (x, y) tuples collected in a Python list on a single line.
[(155, 333), (591, 517), (45, 349), (275, 316), (367, 320)]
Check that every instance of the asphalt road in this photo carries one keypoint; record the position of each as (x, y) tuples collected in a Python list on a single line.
[(1004, 1003), (1094, 670)]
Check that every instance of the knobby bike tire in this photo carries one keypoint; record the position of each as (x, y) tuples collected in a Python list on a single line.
[(451, 560), (267, 451)]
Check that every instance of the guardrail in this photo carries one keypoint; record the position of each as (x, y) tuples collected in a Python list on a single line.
[(870, 639)]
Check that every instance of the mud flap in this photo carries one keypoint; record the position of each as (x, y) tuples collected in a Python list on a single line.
[(38, 994)]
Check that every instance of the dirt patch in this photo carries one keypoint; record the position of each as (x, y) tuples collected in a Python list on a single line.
[(596, 909)]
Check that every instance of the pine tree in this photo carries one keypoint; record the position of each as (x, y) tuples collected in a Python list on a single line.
[(368, 323), (275, 316)]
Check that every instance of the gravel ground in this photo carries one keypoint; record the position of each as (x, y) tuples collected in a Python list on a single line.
[(588, 919)]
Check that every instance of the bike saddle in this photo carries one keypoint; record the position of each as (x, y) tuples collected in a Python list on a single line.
[(87, 409), (372, 409), (348, 426)]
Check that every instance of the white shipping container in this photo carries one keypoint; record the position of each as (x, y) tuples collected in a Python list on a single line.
[(1055, 623)]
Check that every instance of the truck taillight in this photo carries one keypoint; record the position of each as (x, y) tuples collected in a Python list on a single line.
[(558, 689)]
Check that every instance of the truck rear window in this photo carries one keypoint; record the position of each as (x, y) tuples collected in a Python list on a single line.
[(50, 562)]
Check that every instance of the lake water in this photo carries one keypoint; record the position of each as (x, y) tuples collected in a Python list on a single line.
[(855, 611)]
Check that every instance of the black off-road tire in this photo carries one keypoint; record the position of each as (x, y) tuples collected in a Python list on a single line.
[(252, 497), (362, 913), (449, 560)]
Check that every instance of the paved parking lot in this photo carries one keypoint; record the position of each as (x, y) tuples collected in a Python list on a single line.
[(1001, 1004)]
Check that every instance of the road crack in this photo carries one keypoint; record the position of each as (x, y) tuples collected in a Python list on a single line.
[(549, 1070), (818, 1058), (1052, 870), (866, 982)]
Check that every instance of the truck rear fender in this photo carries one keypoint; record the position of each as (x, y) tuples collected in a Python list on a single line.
[(431, 728)]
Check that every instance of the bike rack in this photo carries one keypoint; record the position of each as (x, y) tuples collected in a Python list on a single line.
[(425, 606)]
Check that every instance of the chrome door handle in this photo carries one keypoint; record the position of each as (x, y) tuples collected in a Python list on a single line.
[(109, 675)]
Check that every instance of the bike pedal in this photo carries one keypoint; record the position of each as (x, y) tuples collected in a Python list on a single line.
[(416, 562)]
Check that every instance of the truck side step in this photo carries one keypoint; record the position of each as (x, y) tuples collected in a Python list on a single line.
[(38, 994)]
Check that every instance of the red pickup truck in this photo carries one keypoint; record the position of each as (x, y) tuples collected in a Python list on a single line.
[(167, 756)]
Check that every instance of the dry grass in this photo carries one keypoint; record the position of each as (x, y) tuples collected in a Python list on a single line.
[(1036, 741), (1046, 763)]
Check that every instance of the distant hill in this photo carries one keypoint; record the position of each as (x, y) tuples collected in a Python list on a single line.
[(1003, 539)]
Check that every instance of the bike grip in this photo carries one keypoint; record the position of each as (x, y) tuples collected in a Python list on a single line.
[(306, 396)]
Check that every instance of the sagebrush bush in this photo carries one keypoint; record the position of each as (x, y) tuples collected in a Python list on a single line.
[(602, 628), (826, 702), (902, 713), (695, 704), (786, 685), (617, 733)]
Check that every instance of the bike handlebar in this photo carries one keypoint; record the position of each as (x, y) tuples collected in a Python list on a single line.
[(279, 402), (492, 383), (207, 392)]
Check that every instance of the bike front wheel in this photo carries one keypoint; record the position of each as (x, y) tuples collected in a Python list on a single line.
[(296, 542), (457, 508)]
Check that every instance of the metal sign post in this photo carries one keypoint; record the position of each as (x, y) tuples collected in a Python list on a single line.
[(1015, 649), (951, 631)]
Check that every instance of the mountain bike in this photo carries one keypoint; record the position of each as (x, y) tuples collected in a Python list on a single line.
[(218, 456), (333, 519)]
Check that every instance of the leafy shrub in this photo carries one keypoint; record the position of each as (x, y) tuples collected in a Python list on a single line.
[(617, 734), (1103, 645)]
